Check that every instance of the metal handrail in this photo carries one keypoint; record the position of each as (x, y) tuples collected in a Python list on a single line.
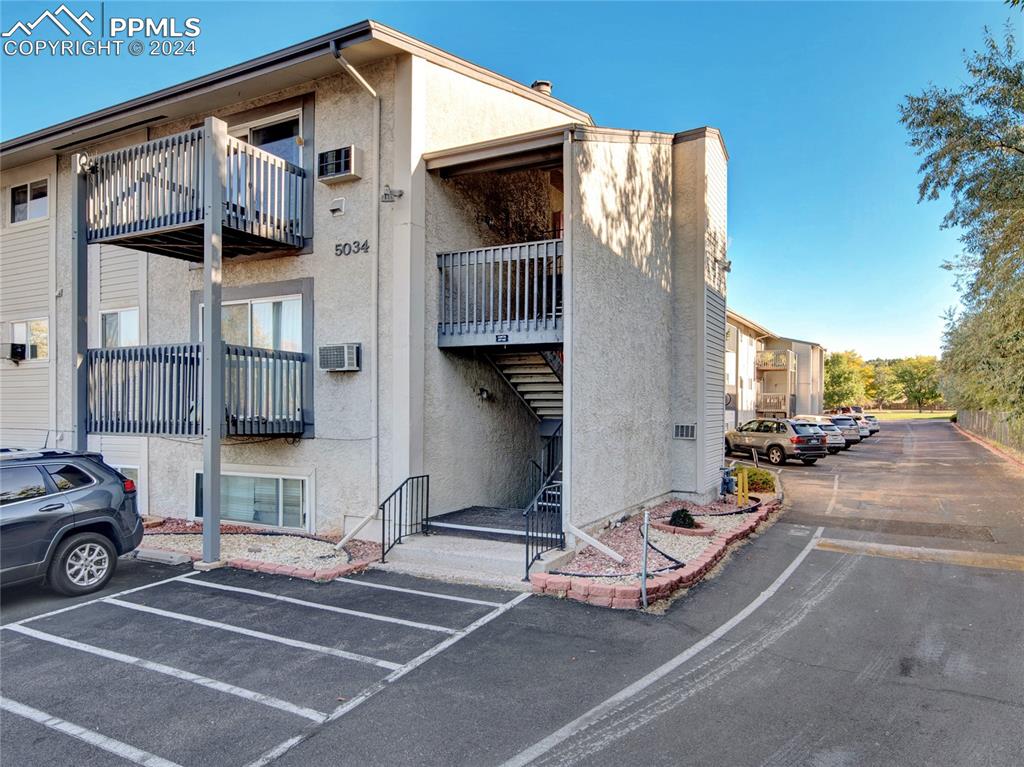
[(405, 512), (549, 464), (544, 524)]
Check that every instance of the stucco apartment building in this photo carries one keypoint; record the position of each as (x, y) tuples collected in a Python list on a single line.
[(424, 269), (770, 375)]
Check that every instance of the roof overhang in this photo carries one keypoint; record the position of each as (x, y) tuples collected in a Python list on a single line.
[(738, 319), (362, 43), (536, 149)]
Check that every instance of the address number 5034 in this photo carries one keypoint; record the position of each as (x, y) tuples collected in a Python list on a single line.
[(349, 248)]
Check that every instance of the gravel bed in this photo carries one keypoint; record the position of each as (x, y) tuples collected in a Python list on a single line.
[(306, 553)]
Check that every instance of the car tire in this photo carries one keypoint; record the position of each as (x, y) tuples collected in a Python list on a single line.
[(834, 450), (809, 461), (776, 455), (82, 564)]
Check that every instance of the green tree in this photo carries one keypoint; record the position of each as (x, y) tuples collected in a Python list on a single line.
[(971, 139), (919, 377), (844, 379), (883, 388)]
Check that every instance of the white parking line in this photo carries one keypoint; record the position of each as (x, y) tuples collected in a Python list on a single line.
[(255, 634), (116, 747), (397, 674), (100, 599), (835, 494), (321, 606), (431, 594), (177, 673)]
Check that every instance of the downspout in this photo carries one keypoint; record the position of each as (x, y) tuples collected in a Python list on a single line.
[(374, 297)]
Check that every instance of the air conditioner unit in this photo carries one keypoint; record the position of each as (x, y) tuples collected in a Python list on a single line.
[(341, 358), (343, 164), (13, 352)]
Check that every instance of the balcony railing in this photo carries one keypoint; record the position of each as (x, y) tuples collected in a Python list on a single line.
[(158, 390), (508, 294), (152, 197), (775, 359), (771, 403)]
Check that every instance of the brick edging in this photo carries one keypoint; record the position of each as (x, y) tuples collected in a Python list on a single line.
[(627, 596), (254, 565)]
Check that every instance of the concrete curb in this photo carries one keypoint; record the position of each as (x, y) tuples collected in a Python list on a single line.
[(991, 446), (627, 596), (270, 568)]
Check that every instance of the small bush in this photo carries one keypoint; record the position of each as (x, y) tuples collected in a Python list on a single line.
[(758, 480), (682, 518), (952, 418)]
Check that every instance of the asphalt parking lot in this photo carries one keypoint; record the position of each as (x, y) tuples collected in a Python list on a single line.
[(178, 671)]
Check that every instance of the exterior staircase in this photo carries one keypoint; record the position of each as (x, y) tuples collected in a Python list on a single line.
[(536, 377)]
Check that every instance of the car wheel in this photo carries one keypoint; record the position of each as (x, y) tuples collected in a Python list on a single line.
[(776, 455), (82, 564), (809, 461), (833, 450)]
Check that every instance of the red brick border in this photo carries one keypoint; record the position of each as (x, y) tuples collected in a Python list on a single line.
[(257, 566), (627, 596)]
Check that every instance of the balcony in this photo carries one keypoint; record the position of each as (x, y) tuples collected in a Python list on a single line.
[(152, 197), (775, 359), (158, 391), (501, 296), (776, 404)]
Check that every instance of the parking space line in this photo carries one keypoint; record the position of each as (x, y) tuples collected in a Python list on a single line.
[(282, 748), (321, 606), (177, 673), (23, 621), (255, 634), (432, 594), (116, 747)]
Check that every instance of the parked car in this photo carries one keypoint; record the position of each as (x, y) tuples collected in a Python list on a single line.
[(778, 439), (835, 440), (873, 425), (851, 431), (64, 517), (863, 425)]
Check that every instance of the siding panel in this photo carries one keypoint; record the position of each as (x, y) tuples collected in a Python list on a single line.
[(25, 271), (119, 277), (714, 383)]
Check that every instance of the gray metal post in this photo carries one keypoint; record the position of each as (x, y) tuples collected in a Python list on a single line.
[(643, 564), (215, 178), (79, 299)]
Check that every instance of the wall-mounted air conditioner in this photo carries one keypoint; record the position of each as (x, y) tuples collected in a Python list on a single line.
[(344, 164), (13, 352), (341, 358)]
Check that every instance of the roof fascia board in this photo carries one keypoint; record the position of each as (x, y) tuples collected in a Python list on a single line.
[(698, 133), (495, 148), (739, 319), (620, 135)]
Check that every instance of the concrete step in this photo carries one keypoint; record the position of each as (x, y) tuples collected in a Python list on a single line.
[(467, 560)]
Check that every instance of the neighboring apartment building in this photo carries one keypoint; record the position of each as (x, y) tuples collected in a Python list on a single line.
[(769, 375), (428, 269)]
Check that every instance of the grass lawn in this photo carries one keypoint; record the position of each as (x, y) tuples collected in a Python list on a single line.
[(905, 415)]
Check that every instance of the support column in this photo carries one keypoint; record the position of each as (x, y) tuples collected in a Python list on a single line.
[(214, 180), (79, 299)]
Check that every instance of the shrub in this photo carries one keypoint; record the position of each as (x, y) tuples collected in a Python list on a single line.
[(952, 418), (758, 480), (682, 518)]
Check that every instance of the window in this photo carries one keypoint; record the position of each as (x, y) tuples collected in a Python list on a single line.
[(266, 323), (29, 201), (119, 328), (35, 334), (279, 136), (68, 477), (274, 501), (20, 483)]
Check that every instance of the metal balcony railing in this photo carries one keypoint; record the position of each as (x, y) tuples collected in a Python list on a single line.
[(775, 359), (158, 390), (508, 294), (152, 197)]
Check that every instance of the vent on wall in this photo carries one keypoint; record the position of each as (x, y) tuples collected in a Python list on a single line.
[(340, 164), (685, 431), (341, 358)]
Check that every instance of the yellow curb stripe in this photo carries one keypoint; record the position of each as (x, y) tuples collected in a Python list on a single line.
[(1011, 562)]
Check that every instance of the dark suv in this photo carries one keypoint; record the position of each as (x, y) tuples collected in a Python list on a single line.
[(65, 517)]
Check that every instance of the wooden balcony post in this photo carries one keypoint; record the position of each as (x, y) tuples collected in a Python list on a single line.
[(79, 299), (215, 176)]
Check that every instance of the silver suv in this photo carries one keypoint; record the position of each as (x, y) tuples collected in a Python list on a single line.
[(778, 439)]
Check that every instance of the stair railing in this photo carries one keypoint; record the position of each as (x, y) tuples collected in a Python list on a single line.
[(544, 524), (544, 469), (405, 512)]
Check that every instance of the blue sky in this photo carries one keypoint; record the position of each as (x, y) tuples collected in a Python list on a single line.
[(827, 240)]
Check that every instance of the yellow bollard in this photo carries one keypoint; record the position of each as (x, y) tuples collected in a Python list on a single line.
[(742, 489)]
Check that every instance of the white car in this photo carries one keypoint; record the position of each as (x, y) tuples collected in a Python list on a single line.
[(835, 440), (873, 423), (866, 429)]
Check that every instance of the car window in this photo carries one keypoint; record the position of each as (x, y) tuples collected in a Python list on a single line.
[(766, 427), (19, 483), (67, 476), (748, 426), (843, 421)]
